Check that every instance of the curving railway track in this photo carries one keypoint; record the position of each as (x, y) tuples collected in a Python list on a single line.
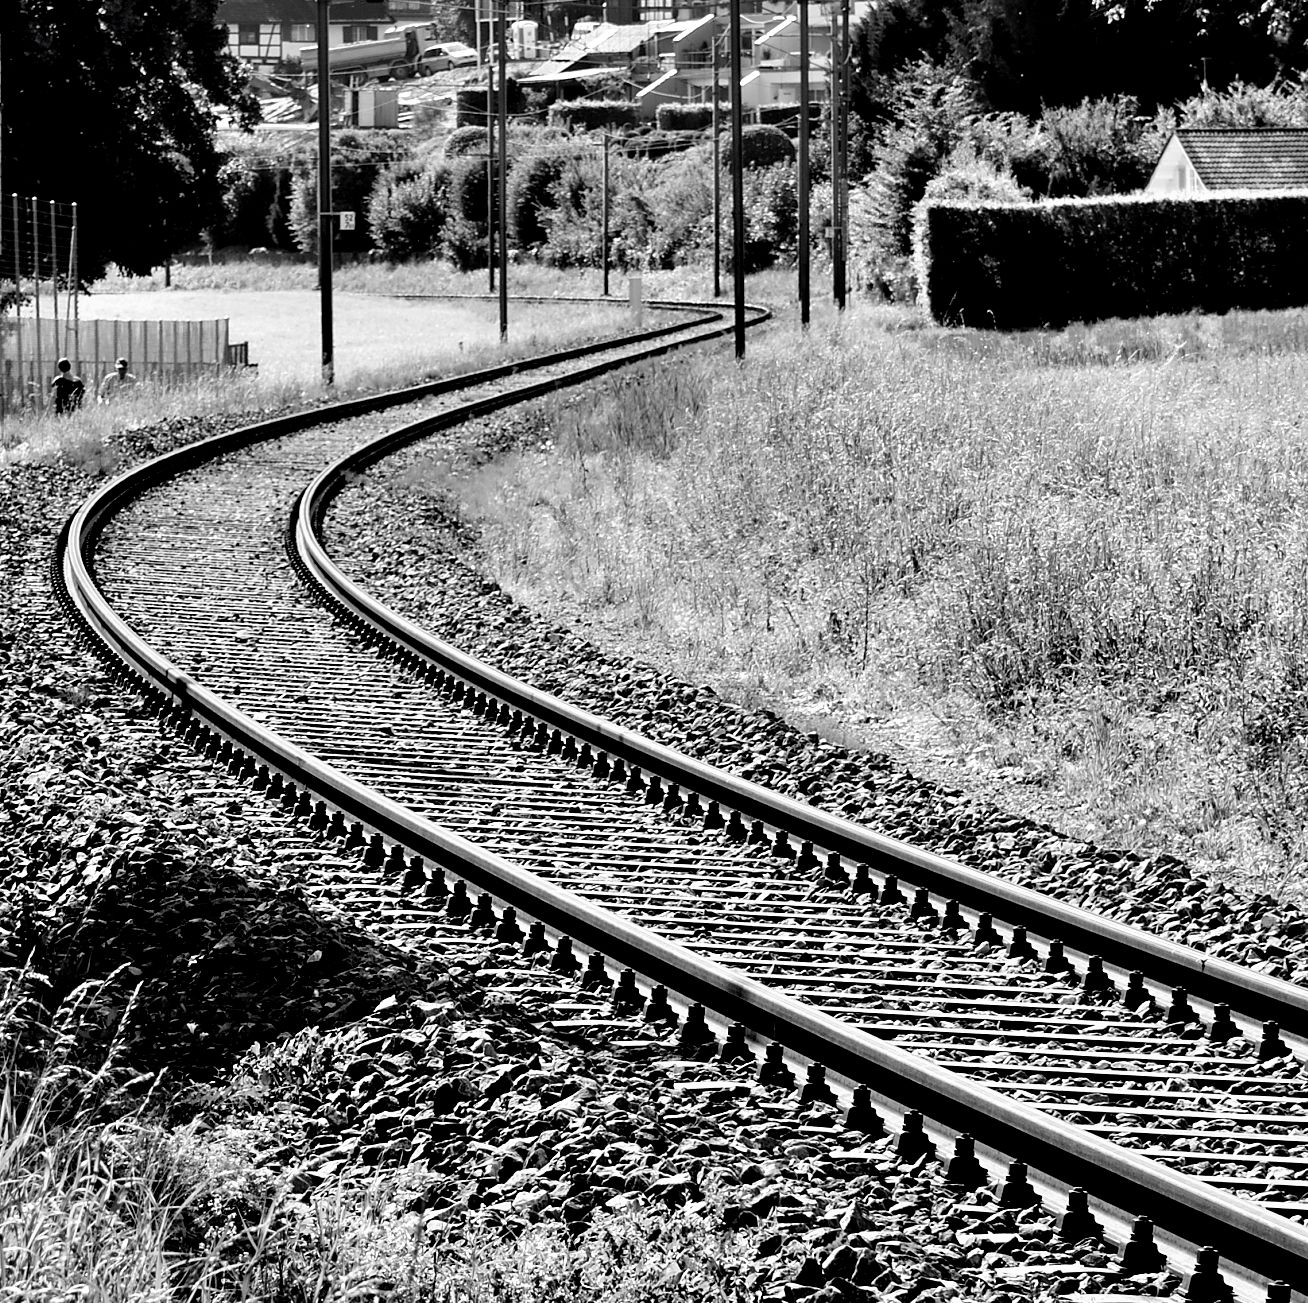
[(1125, 1075)]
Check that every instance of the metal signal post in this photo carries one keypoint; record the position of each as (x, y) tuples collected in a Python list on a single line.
[(503, 179), (840, 155), (717, 172), (325, 195), (802, 179), (604, 217)]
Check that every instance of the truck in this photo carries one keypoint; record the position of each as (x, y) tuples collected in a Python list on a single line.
[(400, 54)]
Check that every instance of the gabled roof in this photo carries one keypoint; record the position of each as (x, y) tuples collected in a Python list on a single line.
[(267, 11), (1248, 158), (299, 11)]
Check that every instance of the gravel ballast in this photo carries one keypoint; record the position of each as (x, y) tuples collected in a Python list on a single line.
[(508, 1097)]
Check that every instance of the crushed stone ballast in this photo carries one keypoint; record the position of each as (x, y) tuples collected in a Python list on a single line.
[(868, 957)]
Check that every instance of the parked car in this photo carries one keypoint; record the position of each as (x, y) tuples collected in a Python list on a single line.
[(457, 52)]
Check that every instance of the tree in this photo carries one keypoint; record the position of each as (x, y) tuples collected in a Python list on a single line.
[(113, 106)]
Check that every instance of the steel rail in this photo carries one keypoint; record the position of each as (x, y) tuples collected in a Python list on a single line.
[(1168, 962), (1267, 1245)]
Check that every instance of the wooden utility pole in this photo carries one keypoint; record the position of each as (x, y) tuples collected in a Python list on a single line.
[(737, 183)]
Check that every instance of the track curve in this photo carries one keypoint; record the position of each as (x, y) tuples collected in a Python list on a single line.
[(800, 926)]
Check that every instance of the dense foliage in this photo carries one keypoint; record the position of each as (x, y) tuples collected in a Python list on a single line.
[(113, 107), (270, 197), (1015, 266), (593, 115), (1024, 57), (686, 117)]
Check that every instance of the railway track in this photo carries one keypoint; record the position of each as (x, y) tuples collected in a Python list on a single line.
[(1159, 1080)]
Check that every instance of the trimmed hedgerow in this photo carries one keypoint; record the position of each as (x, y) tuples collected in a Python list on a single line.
[(1015, 266), (593, 115), (686, 117), (471, 109)]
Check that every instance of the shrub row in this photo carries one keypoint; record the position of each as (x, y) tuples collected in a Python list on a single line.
[(1015, 266), (593, 115), (688, 117)]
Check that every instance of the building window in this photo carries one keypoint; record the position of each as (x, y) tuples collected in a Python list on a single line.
[(359, 32), (247, 34), (300, 33)]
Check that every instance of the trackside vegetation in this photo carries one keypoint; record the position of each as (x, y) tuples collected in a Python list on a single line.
[(1076, 559)]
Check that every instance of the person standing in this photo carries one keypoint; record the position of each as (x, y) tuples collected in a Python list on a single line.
[(116, 381), (68, 389)]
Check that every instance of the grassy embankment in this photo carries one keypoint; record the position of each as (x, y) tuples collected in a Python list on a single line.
[(1066, 570)]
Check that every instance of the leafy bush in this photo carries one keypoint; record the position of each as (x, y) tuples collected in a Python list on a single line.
[(463, 141), (771, 216), (531, 196), (1011, 267), (1098, 147), (935, 111), (1244, 105), (593, 115), (686, 117), (256, 184), (467, 188), (407, 213), (682, 197), (358, 158), (764, 147)]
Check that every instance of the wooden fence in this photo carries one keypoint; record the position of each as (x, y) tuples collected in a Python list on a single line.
[(164, 352)]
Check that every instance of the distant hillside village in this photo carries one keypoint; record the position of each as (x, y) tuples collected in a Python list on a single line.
[(662, 52)]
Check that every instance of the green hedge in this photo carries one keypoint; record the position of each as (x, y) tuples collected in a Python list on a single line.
[(1017, 266), (470, 107), (687, 117), (593, 115)]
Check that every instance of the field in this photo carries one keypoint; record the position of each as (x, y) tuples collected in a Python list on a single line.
[(381, 340)]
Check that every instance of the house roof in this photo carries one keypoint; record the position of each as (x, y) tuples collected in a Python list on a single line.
[(618, 38), (1252, 158), (267, 11), (300, 11)]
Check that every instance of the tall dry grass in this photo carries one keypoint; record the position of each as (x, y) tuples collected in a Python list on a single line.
[(1094, 542), (103, 1200)]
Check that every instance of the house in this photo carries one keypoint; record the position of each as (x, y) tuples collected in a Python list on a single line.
[(632, 49), (770, 58), (1199, 160), (266, 32)]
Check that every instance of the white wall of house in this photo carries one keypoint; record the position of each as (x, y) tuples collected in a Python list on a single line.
[(265, 44), (1174, 174)]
